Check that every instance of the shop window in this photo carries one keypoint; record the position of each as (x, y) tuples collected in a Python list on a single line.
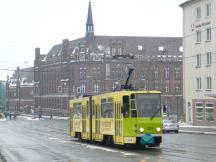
[(209, 113), (199, 111)]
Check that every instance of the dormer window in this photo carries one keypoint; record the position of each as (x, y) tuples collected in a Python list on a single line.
[(181, 49), (140, 47), (113, 51), (162, 49), (82, 50), (119, 51)]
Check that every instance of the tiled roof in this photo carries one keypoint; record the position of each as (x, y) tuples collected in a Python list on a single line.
[(149, 45)]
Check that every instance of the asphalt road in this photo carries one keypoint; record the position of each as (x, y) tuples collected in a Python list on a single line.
[(47, 140)]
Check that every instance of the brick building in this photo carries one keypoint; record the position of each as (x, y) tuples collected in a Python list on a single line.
[(20, 91), (2, 96), (97, 64)]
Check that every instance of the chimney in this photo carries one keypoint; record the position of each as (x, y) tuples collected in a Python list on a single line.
[(37, 54), (65, 49)]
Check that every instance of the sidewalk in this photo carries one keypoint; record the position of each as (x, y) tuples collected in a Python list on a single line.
[(210, 130)]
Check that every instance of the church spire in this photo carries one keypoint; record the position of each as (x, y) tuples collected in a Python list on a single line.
[(89, 22)]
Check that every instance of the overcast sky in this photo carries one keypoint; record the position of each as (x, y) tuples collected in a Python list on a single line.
[(26, 24)]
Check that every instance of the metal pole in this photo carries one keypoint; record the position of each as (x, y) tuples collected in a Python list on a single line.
[(177, 107), (18, 89), (8, 93), (40, 91)]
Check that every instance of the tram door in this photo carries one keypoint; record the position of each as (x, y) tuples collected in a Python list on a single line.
[(84, 115), (71, 119), (97, 118), (118, 123)]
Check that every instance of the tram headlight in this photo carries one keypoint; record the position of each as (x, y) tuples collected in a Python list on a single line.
[(158, 129), (141, 130)]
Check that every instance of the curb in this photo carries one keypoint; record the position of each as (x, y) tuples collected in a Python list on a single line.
[(197, 132)]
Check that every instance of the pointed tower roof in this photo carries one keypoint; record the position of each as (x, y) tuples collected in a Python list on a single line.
[(89, 25), (89, 18)]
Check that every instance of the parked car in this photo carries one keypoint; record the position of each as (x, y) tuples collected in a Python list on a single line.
[(170, 126)]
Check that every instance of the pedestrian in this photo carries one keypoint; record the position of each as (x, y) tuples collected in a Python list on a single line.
[(10, 116), (51, 117), (6, 115), (39, 116)]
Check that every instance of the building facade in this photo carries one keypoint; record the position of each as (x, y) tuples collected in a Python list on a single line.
[(199, 21), (96, 64), (20, 91), (2, 96)]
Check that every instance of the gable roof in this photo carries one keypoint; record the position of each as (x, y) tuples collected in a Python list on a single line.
[(149, 45)]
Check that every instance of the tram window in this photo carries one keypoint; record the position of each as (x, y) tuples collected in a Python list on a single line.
[(133, 106), (103, 107), (132, 96), (107, 108), (148, 105), (164, 109), (77, 110), (109, 113), (125, 109)]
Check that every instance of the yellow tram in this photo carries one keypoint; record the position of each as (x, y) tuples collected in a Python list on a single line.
[(125, 117)]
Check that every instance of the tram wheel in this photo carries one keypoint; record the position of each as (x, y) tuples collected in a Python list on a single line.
[(108, 140)]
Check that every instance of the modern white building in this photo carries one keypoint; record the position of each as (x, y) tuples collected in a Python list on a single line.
[(199, 63)]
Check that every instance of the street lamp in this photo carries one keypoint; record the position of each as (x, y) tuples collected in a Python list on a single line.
[(40, 111), (8, 93), (177, 116), (18, 89)]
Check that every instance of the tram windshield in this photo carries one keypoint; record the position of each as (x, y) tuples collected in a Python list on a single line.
[(148, 104)]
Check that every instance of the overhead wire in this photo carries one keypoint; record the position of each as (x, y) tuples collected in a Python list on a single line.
[(167, 42), (53, 71)]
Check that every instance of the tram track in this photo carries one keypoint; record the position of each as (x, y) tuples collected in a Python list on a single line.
[(190, 149), (184, 152), (158, 152), (171, 149), (174, 153)]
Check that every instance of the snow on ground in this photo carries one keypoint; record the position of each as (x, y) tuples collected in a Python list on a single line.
[(185, 125), (31, 118), (2, 119), (192, 126)]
